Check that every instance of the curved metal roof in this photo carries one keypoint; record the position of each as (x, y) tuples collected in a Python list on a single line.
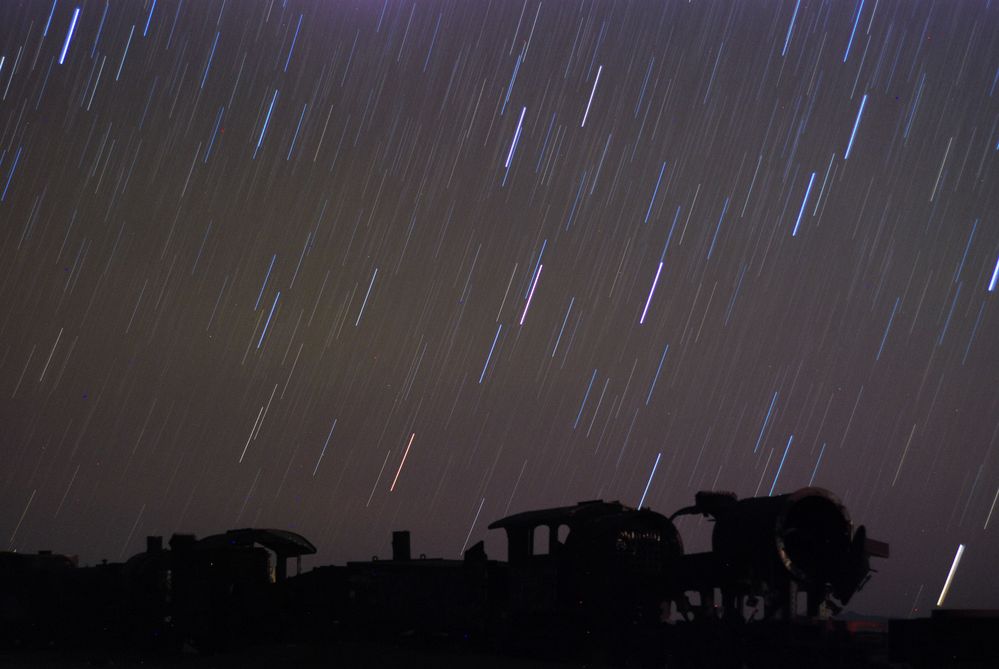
[(560, 514), (282, 542)]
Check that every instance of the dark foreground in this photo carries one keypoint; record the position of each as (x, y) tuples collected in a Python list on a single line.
[(270, 657), (589, 585), (915, 648)]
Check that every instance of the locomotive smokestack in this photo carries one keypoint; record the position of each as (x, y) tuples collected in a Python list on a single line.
[(182, 542), (400, 546)]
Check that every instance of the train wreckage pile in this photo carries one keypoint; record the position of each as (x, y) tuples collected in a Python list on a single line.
[(595, 577)]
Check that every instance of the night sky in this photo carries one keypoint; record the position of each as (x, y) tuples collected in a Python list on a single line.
[(351, 267)]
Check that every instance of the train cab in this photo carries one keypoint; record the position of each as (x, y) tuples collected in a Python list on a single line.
[(591, 568)]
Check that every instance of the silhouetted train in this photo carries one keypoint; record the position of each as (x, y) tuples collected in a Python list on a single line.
[(594, 575)]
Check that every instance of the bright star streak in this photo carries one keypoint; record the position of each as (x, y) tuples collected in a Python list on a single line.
[(264, 284), (717, 228), (149, 20), (11, 176), (366, 295), (887, 328), (648, 212), (676, 217), (297, 128), (642, 501), (656, 378), (266, 121), (379, 478), (516, 136), (293, 40), (324, 448), (803, 203), (127, 44), (595, 82), (817, 462), (995, 277), (100, 28), (218, 120), (45, 32), (856, 124), (267, 324), (211, 55), (790, 28), (655, 281), (489, 357), (950, 576), (399, 471), (765, 421), (69, 35), (562, 329), (582, 404), (516, 68), (781, 466), (536, 265), (474, 520), (991, 509), (252, 432), (531, 296), (854, 31)]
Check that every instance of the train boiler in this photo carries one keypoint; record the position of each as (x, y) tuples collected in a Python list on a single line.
[(783, 557)]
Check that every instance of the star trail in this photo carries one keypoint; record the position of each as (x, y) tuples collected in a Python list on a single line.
[(620, 250)]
